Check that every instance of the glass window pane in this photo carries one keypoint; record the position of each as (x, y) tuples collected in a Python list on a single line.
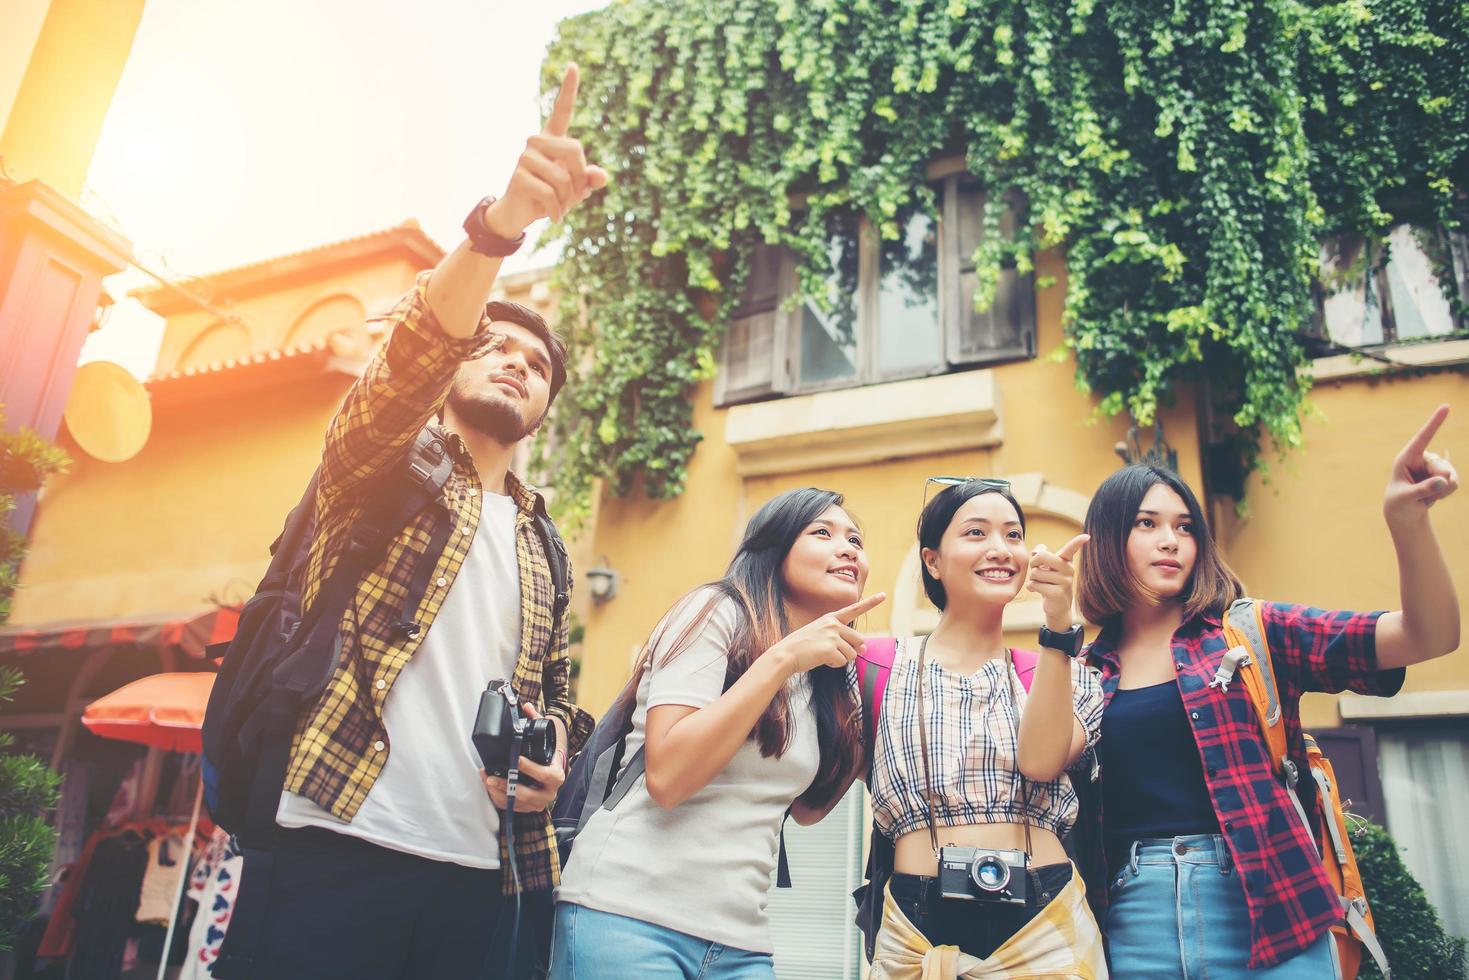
[(1418, 303), (909, 336), (829, 337), (1351, 309)]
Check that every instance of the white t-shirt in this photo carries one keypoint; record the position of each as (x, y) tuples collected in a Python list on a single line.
[(428, 800), (703, 867)]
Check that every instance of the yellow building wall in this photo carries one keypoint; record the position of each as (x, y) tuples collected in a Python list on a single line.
[(188, 520), (198, 337), (20, 26), (185, 522), (1314, 532), (54, 116), (664, 548)]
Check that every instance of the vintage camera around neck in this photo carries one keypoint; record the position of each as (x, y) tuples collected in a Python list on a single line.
[(984, 874)]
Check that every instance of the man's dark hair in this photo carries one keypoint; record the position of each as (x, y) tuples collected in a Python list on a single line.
[(524, 316)]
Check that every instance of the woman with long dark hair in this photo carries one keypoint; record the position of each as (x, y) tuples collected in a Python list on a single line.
[(970, 780), (1213, 873), (744, 711)]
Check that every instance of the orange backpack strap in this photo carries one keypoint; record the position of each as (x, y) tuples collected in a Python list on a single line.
[(1244, 629), (1249, 657)]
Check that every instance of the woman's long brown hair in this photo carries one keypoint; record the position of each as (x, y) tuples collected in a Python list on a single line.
[(754, 583)]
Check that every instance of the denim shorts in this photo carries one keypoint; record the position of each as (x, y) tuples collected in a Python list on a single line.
[(1177, 912), (593, 945)]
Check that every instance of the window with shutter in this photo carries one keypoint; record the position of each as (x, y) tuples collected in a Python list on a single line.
[(892, 309), (1370, 294), (811, 922), (752, 362), (1005, 331)]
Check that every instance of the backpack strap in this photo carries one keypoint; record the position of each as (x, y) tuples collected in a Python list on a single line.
[(1244, 630), (1356, 915), (782, 861), (1025, 663), (560, 567), (421, 481), (874, 668)]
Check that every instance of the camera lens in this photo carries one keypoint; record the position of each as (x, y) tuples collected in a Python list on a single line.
[(990, 873)]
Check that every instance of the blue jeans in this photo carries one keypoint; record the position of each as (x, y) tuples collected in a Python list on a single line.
[(1177, 910), (593, 945)]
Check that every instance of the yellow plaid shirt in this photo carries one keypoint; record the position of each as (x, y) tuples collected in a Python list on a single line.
[(340, 748)]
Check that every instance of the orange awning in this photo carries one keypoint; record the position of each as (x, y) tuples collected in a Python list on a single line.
[(189, 632)]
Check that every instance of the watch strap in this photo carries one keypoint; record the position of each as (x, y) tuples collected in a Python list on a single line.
[(1066, 641), (482, 240)]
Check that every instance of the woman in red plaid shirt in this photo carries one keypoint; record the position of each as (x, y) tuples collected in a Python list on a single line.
[(1212, 873)]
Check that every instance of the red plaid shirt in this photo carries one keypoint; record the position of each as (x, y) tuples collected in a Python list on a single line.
[(1291, 900)]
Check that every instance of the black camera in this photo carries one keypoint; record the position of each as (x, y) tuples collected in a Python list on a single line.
[(496, 724), (982, 874)]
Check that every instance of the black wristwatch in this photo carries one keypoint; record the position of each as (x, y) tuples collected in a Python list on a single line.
[(1068, 642), (482, 240)]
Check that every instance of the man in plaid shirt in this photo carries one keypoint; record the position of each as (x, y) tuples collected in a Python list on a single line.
[(388, 858)]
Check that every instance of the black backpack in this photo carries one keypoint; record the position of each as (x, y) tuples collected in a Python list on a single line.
[(592, 778), (280, 661)]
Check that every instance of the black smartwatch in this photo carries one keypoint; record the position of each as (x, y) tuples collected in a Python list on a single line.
[(1068, 642), (481, 239)]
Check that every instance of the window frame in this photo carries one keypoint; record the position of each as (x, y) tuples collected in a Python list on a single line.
[(787, 326), (1456, 245)]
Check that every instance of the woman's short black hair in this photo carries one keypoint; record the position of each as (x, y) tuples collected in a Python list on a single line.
[(939, 514)]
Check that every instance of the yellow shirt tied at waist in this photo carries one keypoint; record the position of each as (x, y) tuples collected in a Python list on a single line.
[(1061, 942)]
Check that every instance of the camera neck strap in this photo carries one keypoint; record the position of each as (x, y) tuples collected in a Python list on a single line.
[(928, 797)]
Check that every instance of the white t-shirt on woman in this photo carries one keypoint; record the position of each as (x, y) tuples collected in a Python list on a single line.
[(703, 867)]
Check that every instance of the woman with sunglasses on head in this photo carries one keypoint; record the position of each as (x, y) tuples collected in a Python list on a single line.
[(1213, 872), (743, 711), (970, 771)]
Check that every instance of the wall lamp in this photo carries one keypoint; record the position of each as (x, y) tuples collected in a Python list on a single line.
[(603, 581)]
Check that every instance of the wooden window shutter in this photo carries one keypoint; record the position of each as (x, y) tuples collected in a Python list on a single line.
[(752, 362)]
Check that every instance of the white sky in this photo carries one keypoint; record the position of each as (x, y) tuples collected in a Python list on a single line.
[(243, 131)]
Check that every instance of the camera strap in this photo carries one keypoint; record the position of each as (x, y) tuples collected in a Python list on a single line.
[(512, 780), (928, 797)]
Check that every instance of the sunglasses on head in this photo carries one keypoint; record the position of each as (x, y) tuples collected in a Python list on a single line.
[(985, 482)]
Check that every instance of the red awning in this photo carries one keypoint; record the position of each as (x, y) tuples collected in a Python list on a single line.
[(188, 632)]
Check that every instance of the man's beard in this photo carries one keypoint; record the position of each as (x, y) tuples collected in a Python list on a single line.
[(490, 416)]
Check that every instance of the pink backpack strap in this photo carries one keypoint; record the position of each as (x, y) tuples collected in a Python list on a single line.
[(1025, 661), (874, 667)]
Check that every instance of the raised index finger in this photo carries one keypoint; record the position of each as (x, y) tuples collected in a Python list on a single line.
[(560, 120), (1072, 547), (1416, 446), (849, 613)]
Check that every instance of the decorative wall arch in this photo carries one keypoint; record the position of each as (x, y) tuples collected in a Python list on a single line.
[(217, 343), (324, 317), (911, 611)]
